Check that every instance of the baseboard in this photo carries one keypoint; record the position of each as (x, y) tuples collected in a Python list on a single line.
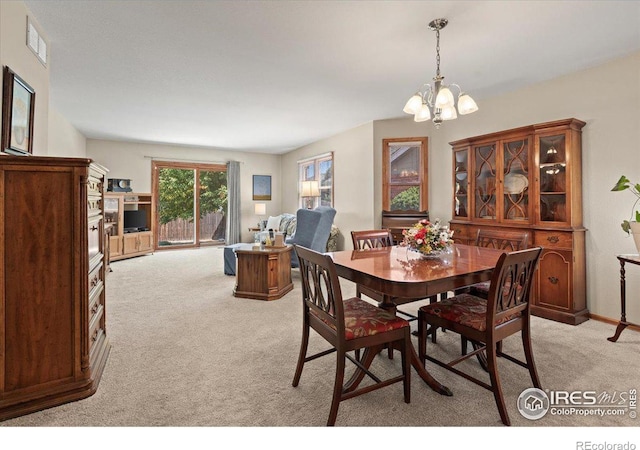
[(613, 321)]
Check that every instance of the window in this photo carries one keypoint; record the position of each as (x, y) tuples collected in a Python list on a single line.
[(191, 203), (405, 174), (318, 171)]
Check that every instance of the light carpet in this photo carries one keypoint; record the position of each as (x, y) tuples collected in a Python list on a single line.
[(185, 352)]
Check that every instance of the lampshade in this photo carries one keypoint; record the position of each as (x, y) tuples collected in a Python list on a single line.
[(260, 209), (423, 113), (413, 104), (466, 105), (444, 98), (309, 189)]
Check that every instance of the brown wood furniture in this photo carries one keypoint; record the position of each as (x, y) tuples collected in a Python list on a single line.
[(263, 274), (125, 243), (398, 221), (348, 325), (404, 277), (488, 321), (53, 334), (631, 259), (529, 179), (371, 239)]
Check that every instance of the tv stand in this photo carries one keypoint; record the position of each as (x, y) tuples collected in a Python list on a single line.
[(129, 242)]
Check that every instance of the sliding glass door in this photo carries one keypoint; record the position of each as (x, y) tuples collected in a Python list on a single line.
[(191, 204)]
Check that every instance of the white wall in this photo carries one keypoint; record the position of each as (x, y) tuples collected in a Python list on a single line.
[(610, 148), (133, 161), (353, 179), (15, 54), (64, 139)]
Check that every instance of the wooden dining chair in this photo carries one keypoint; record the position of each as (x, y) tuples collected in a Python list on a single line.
[(488, 321), (509, 241), (372, 239), (348, 325)]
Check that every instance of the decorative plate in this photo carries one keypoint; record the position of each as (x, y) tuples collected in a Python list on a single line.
[(515, 184)]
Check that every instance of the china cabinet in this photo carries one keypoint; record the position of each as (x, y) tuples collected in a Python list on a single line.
[(529, 178), (53, 334)]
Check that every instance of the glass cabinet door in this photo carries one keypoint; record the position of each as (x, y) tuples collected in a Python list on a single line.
[(485, 181), (111, 216), (461, 187), (553, 189), (515, 171)]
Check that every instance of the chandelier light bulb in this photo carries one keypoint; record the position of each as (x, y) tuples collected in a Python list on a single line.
[(466, 105), (423, 113), (414, 104), (444, 98), (448, 113)]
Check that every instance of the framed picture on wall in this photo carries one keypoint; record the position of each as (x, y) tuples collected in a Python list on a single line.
[(262, 187), (18, 104)]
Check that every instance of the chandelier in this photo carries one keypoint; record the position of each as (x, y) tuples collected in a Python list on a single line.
[(437, 100)]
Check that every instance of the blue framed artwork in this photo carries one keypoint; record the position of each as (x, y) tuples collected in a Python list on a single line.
[(262, 187)]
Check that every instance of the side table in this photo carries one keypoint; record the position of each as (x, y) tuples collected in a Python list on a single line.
[(263, 274), (631, 259)]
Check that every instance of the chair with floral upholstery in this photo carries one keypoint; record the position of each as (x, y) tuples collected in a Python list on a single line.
[(510, 241), (348, 325), (488, 321)]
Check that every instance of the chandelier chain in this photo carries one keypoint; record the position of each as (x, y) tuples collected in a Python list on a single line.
[(438, 52)]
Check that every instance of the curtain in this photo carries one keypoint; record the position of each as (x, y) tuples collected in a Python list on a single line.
[(233, 205)]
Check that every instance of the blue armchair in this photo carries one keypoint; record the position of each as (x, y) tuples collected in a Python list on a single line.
[(312, 230)]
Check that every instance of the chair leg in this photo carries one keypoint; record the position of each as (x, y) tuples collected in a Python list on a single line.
[(303, 353), (337, 388), (390, 351), (492, 366), (528, 353), (433, 299), (422, 337), (406, 367)]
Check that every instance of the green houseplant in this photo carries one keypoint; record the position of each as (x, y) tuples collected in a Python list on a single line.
[(631, 226)]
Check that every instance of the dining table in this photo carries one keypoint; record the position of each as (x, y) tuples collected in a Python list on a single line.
[(402, 275)]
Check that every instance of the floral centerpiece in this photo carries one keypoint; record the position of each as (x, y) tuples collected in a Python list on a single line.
[(427, 238)]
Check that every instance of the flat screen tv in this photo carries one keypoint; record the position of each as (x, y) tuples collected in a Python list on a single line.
[(135, 220)]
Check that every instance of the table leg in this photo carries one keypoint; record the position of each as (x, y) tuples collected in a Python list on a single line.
[(623, 305), (370, 353), (426, 376), (367, 358), (621, 326)]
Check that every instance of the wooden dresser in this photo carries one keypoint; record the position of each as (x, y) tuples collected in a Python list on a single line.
[(529, 178), (53, 341)]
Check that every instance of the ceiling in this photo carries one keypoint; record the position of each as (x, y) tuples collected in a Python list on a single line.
[(271, 76)]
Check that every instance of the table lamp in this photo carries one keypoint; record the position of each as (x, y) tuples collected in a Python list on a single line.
[(260, 210), (309, 190)]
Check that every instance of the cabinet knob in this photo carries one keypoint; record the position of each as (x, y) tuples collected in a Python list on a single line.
[(553, 280), (94, 228), (553, 239)]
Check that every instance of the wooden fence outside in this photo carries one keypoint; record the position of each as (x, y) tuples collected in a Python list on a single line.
[(181, 230)]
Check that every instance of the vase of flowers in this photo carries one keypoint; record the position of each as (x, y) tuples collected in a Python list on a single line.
[(430, 239), (631, 226)]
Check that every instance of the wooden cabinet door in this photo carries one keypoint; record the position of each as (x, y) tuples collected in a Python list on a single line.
[(554, 280), (130, 243), (485, 175), (115, 246), (145, 241), (515, 200)]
